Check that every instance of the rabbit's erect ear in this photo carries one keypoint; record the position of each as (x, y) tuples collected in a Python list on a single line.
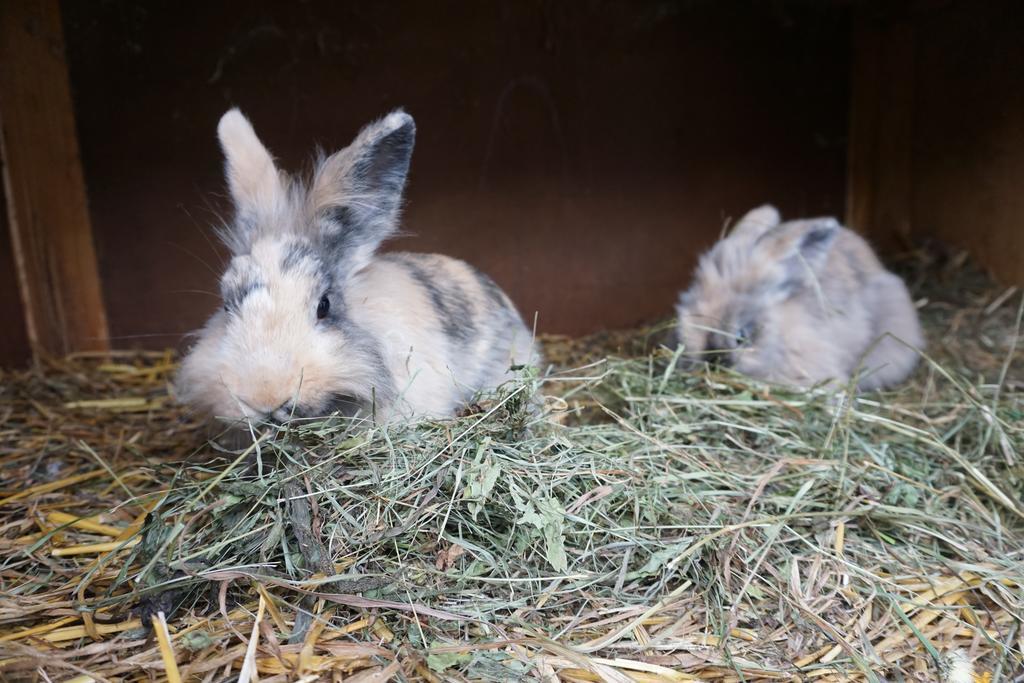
[(814, 239), (756, 223), (253, 178), (801, 247), (357, 192)]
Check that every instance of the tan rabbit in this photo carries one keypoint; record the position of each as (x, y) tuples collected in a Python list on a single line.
[(315, 321), (799, 303)]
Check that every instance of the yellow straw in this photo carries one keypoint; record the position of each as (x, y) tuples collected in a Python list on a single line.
[(163, 638)]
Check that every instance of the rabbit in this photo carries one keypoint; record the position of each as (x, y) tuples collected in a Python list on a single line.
[(314, 321), (799, 303)]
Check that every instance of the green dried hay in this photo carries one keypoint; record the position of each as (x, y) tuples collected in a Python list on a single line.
[(643, 524)]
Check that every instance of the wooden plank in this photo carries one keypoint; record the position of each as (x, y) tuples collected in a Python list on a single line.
[(879, 182), (14, 348), (47, 208), (969, 132)]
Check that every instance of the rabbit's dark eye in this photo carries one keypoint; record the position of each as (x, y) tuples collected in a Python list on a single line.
[(323, 308)]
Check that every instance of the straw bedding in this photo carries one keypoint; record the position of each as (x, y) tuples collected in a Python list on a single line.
[(636, 524)]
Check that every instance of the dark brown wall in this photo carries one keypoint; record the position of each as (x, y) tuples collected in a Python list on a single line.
[(583, 153), (14, 345), (968, 141)]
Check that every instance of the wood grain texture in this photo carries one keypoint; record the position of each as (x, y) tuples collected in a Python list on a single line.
[(969, 132), (45, 191), (936, 146), (879, 180)]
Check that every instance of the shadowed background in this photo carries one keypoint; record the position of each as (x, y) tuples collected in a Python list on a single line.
[(582, 153)]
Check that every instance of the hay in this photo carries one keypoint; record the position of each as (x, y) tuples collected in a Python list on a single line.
[(642, 525)]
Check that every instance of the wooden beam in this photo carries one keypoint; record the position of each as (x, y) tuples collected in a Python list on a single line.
[(879, 189), (47, 210)]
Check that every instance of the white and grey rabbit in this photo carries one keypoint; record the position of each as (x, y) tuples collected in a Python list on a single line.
[(315, 321), (799, 303)]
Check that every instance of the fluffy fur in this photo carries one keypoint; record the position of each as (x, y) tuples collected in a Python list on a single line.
[(799, 303), (404, 335)]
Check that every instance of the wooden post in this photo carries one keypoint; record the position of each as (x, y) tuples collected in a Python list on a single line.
[(47, 209), (878, 201)]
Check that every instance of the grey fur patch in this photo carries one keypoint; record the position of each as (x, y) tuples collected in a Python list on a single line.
[(343, 217), (371, 174), (453, 307), (345, 405), (366, 347), (235, 294), (297, 254), (819, 238), (810, 253), (494, 292)]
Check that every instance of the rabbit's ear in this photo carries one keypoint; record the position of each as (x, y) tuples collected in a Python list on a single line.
[(801, 247), (255, 183), (814, 238), (357, 192), (756, 223)]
